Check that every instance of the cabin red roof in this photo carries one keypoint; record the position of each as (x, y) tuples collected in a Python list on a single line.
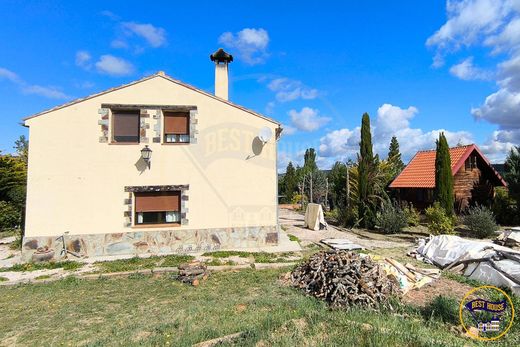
[(420, 171)]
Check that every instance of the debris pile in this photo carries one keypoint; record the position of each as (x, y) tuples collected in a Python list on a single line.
[(192, 272), (344, 279)]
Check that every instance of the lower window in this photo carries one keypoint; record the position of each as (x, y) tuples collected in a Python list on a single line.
[(158, 217), (157, 208), (173, 138)]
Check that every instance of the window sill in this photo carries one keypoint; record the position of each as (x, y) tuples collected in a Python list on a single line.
[(175, 143), (152, 226), (123, 143)]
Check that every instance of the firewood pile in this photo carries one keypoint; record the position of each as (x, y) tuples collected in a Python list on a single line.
[(344, 279), (192, 273)]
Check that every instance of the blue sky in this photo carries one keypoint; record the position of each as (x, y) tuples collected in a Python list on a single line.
[(415, 67)]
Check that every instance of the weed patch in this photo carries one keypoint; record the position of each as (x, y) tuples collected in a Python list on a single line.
[(66, 265)]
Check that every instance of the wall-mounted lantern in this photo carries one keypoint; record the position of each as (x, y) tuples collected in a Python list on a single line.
[(146, 154)]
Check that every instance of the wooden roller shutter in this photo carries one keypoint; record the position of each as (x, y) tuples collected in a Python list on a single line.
[(126, 126), (176, 123), (157, 201)]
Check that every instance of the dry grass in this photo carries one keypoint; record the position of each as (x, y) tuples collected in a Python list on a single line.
[(159, 311)]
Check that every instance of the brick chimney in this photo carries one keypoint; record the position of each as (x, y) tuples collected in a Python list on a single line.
[(221, 59)]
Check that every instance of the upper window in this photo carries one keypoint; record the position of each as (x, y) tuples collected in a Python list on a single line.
[(157, 208), (126, 126), (176, 127)]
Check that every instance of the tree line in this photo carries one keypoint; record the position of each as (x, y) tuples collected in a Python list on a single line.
[(357, 190), (13, 181)]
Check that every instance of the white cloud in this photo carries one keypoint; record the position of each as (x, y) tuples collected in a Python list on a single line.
[(114, 66), (283, 160), (493, 25), (110, 15), (504, 40), (48, 92), (288, 130), (250, 43), (307, 119), (155, 36), (288, 90), (499, 145), (340, 143), (391, 120), (26, 88), (468, 19), (118, 43), (83, 59), (465, 70), (9, 75), (502, 108)]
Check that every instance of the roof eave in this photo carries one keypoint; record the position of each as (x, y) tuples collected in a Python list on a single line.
[(159, 74)]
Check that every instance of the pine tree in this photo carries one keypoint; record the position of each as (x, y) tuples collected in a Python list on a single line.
[(338, 185), (512, 174), (290, 182), (367, 164), (394, 157), (443, 176)]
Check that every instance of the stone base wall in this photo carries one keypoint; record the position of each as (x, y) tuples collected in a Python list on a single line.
[(152, 242)]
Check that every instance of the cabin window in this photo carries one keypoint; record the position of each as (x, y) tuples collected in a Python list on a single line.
[(157, 208), (126, 126), (176, 127)]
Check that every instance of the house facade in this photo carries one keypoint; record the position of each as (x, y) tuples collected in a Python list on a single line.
[(474, 178), (153, 166)]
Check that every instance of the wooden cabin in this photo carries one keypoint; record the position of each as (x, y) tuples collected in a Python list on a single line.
[(474, 181)]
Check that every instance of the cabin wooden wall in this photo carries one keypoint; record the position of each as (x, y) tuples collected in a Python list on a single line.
[(471, 186)]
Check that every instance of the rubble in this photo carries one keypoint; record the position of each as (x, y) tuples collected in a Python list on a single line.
[(345, 279)]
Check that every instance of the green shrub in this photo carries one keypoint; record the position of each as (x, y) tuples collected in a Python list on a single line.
[(332, 215), (392, 219), (443, 308), (297, 199), (480, 221), (17, 243), (348, 217), (504, 207), (438, 221), (9, 216), (413, 218)]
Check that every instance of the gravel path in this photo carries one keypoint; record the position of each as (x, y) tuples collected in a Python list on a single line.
[(292, 223)]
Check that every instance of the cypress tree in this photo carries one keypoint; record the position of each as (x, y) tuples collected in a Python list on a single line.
[(443, 176), (310, 160), (394, 157), (290, 182), (367, 163)]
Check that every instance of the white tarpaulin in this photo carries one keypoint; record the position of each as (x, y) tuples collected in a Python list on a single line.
[(314, 217), (483, 261)]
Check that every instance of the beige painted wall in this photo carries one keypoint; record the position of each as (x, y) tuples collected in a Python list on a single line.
[(76, 184)]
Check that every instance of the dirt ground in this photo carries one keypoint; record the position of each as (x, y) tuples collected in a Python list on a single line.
[(292, 223), (442, 286)]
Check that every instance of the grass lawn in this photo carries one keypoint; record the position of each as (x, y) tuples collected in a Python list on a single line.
[(158, 311)]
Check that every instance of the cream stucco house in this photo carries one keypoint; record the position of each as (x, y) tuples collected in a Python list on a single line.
[(153, 166)]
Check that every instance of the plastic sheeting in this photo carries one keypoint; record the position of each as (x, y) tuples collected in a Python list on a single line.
[(314, 217), (484, 261)]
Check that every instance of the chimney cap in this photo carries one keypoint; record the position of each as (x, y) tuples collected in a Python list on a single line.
[(220, 56)]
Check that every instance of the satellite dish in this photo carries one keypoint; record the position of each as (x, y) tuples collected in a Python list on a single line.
[(265, 134)]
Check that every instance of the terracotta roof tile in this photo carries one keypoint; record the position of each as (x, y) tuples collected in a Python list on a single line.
[(420, 171)]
